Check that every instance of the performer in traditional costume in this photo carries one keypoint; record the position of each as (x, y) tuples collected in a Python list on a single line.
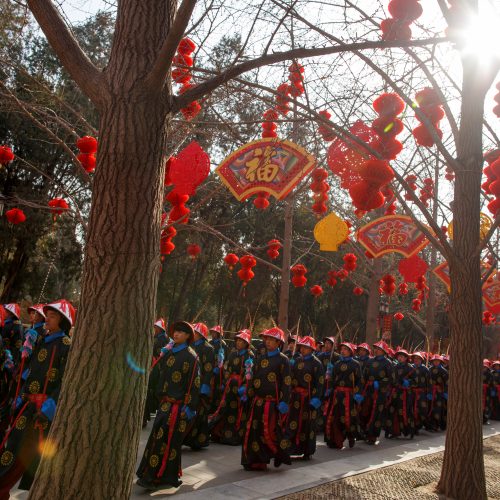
[(377, 376), (269, 397), (420, 391), (307, 389), (35, 406), (12, 331), (229, 420), (342, 420), (438, 382), (495, 390), (198, 435), (179, 392), (486, 394), (221, 351)]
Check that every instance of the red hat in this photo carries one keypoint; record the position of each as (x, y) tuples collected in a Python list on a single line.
[(382, 345), (63, 307), (364, 346), (274, 333), (436, 357), (390, 352), (14, 309), (496, 362), (201, 328), (245, 335), (307, 342), (486, 363), (183, 326), (419, 355), (160, 323), (350, 346), (37, 308), (217, 329), (445, 357), (400, 350), (331, 339)]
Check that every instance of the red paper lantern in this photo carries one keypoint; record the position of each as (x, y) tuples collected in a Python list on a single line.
[(332, 278), (403, 289), (58, 205), (358, 291), (399, 316), (388, 284), (412, 268), (350, 262), (388, 104), (245, 273), (376, 172), (488, 318), (316, 290), (364, 197), (6, 155), (416, 304), (15, 216), (299, 279), (87, 144), (261, 200), (193, 251), (273, 249), (87, 161), (342, 275), (189, 169), (393, 29), (231, 260)]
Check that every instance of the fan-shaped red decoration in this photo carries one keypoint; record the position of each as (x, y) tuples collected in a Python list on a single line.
[(15, 216)]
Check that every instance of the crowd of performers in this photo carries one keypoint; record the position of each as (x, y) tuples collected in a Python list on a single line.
[(256, 394)]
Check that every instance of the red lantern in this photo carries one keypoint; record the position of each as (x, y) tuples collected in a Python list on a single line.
[(416, 304), (193, 251), (399, 316), (15, 216), (342, 275), (403, 289), (59, 205), (179, 213), (316, 290), (87, 144), (350, 262), (412, 268), (299, 279), (283, 99), (332, 278), (358, 291), (189, 169), (245, 273), (6, 155), (364, 197), (488, 318), (388, 284), (231, 260), (87, 161), (326, 132), (273, 249), (261, 200)]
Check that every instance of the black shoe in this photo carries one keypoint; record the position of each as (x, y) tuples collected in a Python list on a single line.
[(146, 484), (306, 457), (277, 462), (352, 442)]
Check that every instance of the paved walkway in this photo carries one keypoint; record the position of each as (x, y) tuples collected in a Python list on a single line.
[(216, 474)]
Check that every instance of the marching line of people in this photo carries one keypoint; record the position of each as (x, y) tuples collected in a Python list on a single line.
[(270, 401)]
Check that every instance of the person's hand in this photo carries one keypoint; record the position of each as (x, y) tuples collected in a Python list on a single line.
[(190, 414)]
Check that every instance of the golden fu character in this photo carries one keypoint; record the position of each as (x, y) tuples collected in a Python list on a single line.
[(261, 166)]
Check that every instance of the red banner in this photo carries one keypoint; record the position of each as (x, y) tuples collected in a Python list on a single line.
[(267, 165), (392, 233)]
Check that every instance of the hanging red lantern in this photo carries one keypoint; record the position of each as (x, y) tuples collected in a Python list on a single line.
[(389, 284), (320, 189), (179, 212), (283, 99), (429, 103), (342, 275), (387, 125), (58, 205), (403, 289), (411, 268), (358, 291), (488, 318), (421, 284), (350, 262), (87, 161), (416, 305), (261, 200), (326, 132), (268, 125), (399, 316), (87, 144), (299, 279), (332, 278), (231, 260), (245, 274), (193, 251), (296, 77), (6, 155), (273, 249), (15, 216), (316, 290)]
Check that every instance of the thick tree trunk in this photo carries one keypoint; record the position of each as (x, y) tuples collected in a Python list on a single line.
[(16, 266), (285, 267), (372, 307), (97, 426), (462, 475)]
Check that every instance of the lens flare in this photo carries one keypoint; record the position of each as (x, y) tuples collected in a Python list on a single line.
[(133, 364)]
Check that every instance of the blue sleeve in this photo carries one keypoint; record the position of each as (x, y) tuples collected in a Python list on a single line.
[(205, 390), (49, 408)]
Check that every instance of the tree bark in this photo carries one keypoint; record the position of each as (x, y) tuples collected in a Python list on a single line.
[(373, 303), (17, 264), (97, 425), (285, 267), (462, 475)]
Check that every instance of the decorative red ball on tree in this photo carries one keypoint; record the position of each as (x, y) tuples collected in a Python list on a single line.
[(261, 200), (58, 205), (273, 249), (316, 290), (416, 305), (87, 144), (399, 316), (6, 155), (350, 262), (15, 216), (88, 161), (358, 291), (231, 260), (332, 278), (299, 279), (245, 273), (193, 250)]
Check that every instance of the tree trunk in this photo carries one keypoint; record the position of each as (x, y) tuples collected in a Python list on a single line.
[(97, 426), (462, 475), (373, 303), (17, 264), (285, 267)]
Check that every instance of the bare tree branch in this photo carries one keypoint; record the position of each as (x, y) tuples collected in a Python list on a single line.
[(73, 58)]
